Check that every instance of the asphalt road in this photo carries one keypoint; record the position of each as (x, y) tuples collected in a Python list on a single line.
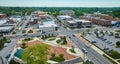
[(10, 47), (92, 54)]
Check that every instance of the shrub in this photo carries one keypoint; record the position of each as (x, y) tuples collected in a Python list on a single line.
[(73, 51), (58, 41), (30, 31), (59, 58)]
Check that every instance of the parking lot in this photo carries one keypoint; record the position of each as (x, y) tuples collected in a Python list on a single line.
[(106, 42)]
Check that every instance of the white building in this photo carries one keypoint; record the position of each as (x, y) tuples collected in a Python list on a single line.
[(45, 23), (6, 29), (16, 18), (67, 12), (3, 21), (64, 18)]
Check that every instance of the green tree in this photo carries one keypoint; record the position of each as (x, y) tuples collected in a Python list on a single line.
[(118, 43), (53, 55), (61, 55), (30, 31), (36, 54), (97, 35), (114, 54), (4, 39), (24, 45), (64, 41), (88, 30)]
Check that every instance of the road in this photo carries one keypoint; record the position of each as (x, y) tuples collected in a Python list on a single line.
[(10, 47), (92, 54)]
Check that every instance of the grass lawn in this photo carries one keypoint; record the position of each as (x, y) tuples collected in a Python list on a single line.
[(51, 39)]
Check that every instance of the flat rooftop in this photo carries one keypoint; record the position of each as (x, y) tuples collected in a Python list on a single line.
[(71, 21), (2, 21), (64, 16), (48, 23), (6, 28), (82, 20)]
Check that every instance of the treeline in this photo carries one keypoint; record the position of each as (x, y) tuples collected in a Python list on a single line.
[(79, 11)]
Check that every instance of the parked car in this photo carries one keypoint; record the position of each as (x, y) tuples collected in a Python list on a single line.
[(93, 41), (104, 39), (106, 48), (6, 44), (109, 42), (73, 35)]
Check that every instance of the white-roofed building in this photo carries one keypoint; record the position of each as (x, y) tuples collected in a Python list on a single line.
[(44, 23), (64, 18), (16, 18), (6, 29), (67, 12), (3, 21)]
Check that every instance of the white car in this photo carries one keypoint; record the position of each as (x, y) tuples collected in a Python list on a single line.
[(6, 44)]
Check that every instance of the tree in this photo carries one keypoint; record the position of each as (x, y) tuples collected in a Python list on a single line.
[(96, 30), (30, 31), (83, 34), (53, 55), (118, 43), (61, 55), (88, 30), (4, 39), (64, 41), (114, 54), (24, 45), (97, 35), (36, 54)]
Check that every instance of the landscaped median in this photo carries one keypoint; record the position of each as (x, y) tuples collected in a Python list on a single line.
[(96, 48)]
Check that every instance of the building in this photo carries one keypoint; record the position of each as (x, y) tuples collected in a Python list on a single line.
[(3, 15), (67, 12), (44, 23), (6, 29), (100, 19), (3, 21), (78, 23), (115, 23), (83, 23), (64, 18), (16, 18)]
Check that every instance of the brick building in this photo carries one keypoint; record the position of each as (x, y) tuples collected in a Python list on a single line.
[(100, 19), (3, 15)]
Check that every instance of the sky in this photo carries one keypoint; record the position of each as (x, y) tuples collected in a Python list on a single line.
[(60, 3)]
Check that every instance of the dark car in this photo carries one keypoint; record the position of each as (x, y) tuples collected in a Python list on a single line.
[(104, 39), (73, 35), (93, 41), (7, 56)]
